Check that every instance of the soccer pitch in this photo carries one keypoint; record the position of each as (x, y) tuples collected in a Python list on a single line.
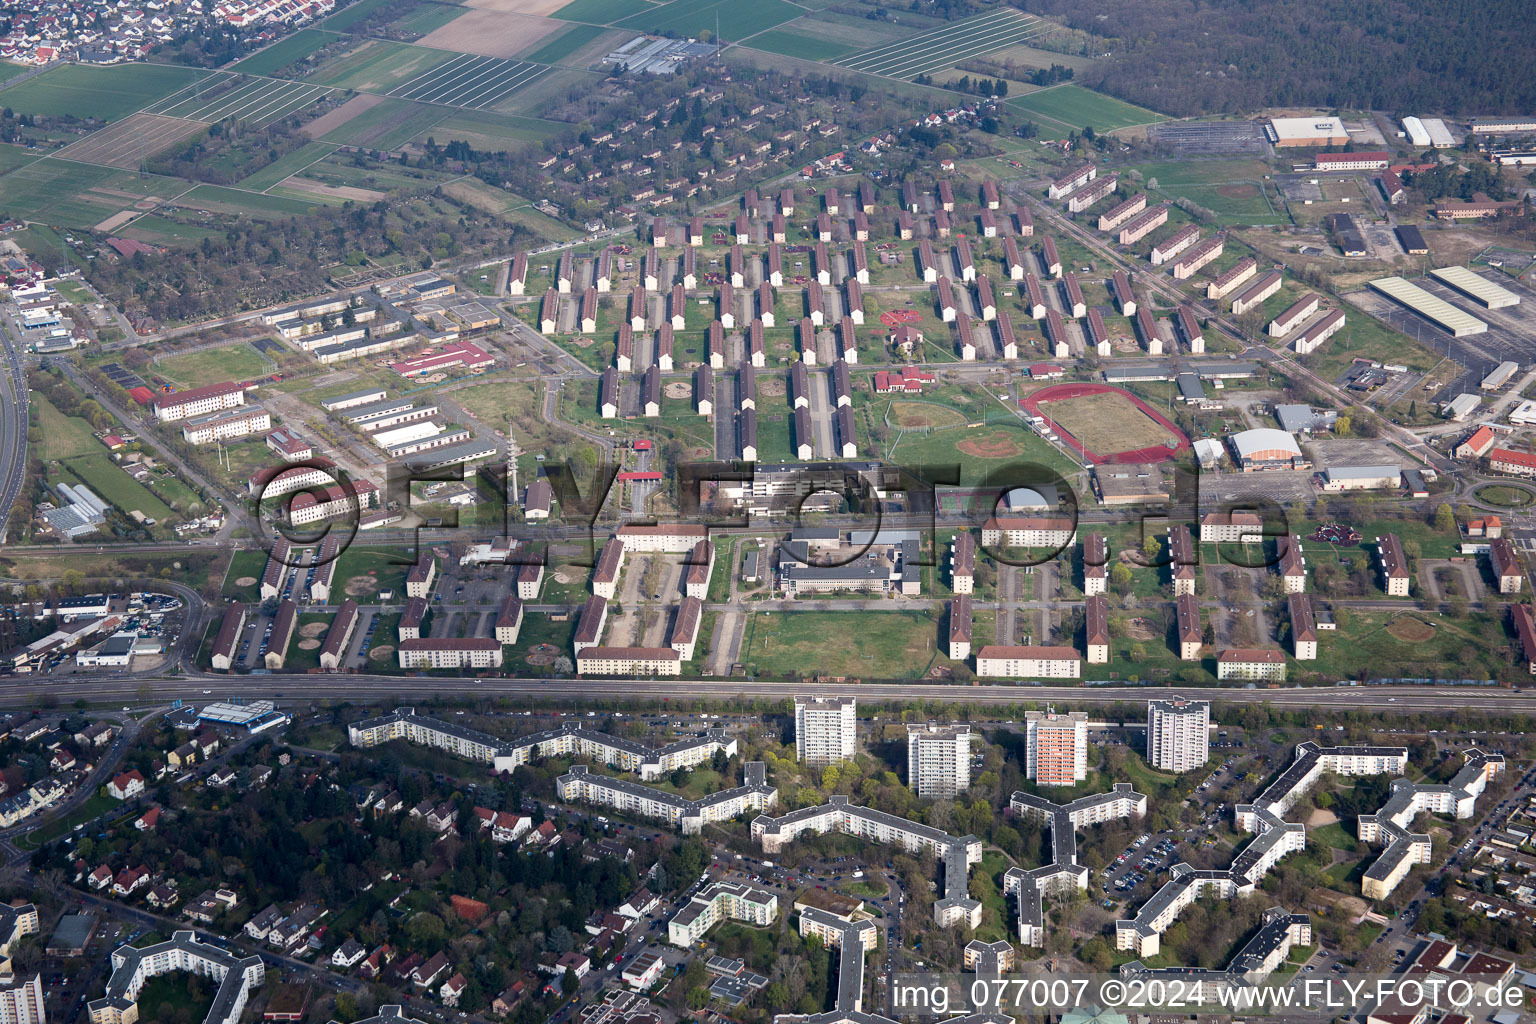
[(944, 47)]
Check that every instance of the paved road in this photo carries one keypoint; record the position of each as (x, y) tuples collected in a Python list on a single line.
[(21, 693)]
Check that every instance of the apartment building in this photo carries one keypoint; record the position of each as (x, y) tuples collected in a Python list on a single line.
[(1303, 627), (963, 563), (1095, 565), (1190, 632), (1178, 734), (1056, 747), (1028, 532), (1395, 575), (688, 816), (826, 730), (1029, 662), (939, 760), (225, 425), (1096, 632), (180, 405), (722, 901), (598, 660), (450, 652), (131, 968), (1251, 664)]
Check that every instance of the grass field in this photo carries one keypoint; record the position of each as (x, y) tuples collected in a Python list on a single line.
[(63, 436), (285, 53), (164, 231), (792, 44), (9, 71), (1106, 423), (565, 44), (12, 157), (690, 17), (88, 91), (107, 479), (1076, 107), (475, 83), (978, 450), (884, 645), (291, 164), (1170, 175), (944, 46), (212, 365), (602, 12)]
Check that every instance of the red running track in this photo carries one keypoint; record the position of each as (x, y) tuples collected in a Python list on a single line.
[(1061, 392)]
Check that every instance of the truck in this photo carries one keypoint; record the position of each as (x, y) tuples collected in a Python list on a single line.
[(767, 863), (857, 874)]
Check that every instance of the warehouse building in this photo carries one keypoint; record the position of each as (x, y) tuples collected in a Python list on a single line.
[(1475, 287), (1361, 478), (1432, 308), (1499, 375), (1306, 132)]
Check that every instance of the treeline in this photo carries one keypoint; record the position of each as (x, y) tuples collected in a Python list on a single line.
[(1447, 181), (1188, 57), (260, 264), (230, 151)]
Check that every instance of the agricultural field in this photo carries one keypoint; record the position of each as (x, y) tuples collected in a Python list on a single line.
[(790, 43), (379, 66), (210, 366), (1077, 107), (493, 133), (491, 32), (602, 12), (566, 44), (287, 52), (690, 17), (88, 91), (131, 141), (46, 190), (944, 47), (163, 231), (472, 82), (218, 199), (427, 18), (293, 163), (385, 124), (12, 157), (106, 478), (256, 101)]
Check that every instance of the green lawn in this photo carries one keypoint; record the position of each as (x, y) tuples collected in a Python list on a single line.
[(1365, 337), (1077, 107), (212, 366), (94, 805), (84, 90), (287, 52), (1334, 836), (107, 479), (601, 12), (64, 437), (872, 645), (1364, 645), (1014, 444), (74, 292), (170, 997)]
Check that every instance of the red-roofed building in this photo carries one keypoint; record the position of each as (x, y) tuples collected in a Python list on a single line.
[(909, 380), (1046, 371), (1476, 445), (126, 247), (1372, 161), (1507, 460), (126, 786), (461, 353)]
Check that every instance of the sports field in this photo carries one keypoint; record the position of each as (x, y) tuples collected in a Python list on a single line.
[(736, 19), (474, 83), (1106, 424), (212, 365), (257, 101), (287, 52), (88, 91), (1076, 107), (130, 141), (944, 47)]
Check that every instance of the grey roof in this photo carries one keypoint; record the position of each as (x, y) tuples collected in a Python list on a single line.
[(1295, 419), (126, 962)]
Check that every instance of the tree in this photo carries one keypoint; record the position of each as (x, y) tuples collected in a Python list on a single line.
[(1445, 519), (1120, 577)]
